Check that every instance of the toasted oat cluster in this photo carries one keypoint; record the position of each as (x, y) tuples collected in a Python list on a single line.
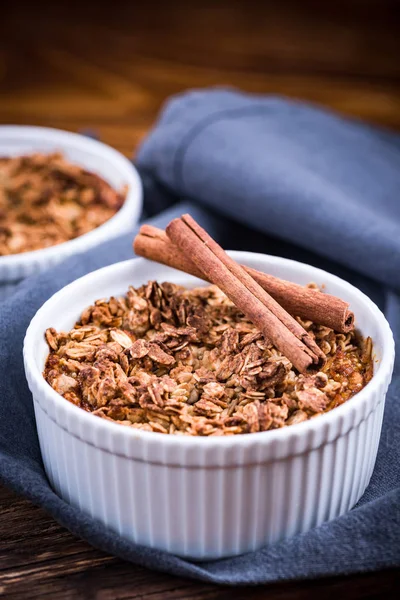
[(45, 200), (186, 361)]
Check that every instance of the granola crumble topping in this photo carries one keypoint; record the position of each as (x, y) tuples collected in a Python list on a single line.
[(45, 200), (187, 362)]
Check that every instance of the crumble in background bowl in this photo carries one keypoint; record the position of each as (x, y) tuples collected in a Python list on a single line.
[(200, 497), (93, 156)]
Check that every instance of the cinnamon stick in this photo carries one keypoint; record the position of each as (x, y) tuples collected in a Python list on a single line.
[(324, 309), (272, 320)]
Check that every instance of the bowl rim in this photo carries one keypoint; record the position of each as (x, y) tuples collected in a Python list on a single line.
[(131, 208), (92, 424)]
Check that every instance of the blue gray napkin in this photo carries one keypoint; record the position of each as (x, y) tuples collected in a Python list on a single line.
[(260, 174)]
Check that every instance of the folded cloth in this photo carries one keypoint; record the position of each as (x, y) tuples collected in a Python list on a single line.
[(259, 172), (327, 184)]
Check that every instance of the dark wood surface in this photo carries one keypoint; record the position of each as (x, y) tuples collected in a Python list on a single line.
[(40, 559), (108, 67)]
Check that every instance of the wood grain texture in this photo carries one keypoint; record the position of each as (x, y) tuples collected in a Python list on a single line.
[(109, 68), (111, 71), (43, 560)]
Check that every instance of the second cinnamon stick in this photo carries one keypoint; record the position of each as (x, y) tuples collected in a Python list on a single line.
[(309, 304)]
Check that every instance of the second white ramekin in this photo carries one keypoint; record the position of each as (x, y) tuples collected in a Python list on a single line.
[(207, 497), (90, 154)]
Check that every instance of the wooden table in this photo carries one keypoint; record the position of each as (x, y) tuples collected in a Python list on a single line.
[(108, 68)]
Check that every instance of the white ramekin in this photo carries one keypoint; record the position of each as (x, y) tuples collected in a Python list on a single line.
[(94, 156), (207, 497)]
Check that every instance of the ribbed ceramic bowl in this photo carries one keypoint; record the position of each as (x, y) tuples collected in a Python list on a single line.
[(207, 497), (88, 153)]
